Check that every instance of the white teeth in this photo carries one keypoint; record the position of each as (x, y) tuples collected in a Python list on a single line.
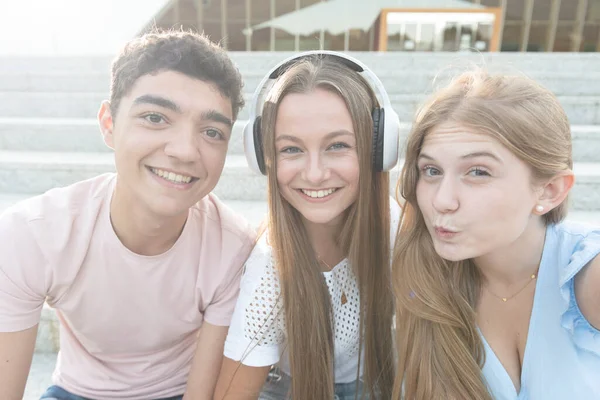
[(317, 194), (170, 176)]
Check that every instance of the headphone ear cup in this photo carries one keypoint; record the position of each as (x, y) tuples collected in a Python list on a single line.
[(378, 129), (258, 146)]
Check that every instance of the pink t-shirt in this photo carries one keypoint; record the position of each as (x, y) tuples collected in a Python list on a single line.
[(128, 322)]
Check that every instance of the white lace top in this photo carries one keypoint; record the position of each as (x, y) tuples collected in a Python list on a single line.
[(257, 331)]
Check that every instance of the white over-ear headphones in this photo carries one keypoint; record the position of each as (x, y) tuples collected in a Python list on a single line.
[(386, 124)]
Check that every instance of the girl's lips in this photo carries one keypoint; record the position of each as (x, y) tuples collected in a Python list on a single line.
[(445, 232)]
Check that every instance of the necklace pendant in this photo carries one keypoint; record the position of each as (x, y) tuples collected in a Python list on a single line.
[(344, 299), (504, 299)]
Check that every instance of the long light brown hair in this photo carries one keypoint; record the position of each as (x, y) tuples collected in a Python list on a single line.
[(440, 351), (364, 238)]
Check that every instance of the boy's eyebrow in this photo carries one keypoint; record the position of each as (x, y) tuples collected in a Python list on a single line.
[(211, 115), (215, 116), (157, 101)]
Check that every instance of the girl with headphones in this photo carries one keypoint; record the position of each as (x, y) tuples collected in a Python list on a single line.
[(316, 299)]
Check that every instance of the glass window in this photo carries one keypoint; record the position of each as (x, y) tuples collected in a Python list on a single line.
[(514, 10), (394, 42), (537, 37), (410, 36), (511, 37), (236, 40), (593, 11), (310, 42), (450, 36), (564, 37), (591, 36), (426, 38), (568, 10), (541, 10), (490, 3), (483, 37), (359, 40)]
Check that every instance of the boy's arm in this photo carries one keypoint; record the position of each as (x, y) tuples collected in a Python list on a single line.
[(16, 352), (207, 362), (23, 290), (240, 382)]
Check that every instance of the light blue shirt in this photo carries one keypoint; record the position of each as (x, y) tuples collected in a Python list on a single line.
[(562, 354)]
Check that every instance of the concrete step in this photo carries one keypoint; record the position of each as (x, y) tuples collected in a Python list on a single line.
[(40, 375), (582, 110), (384, 62), (395, 82), (83, 135), (37, 172), (254, 211), (250, 62), (72, 135)]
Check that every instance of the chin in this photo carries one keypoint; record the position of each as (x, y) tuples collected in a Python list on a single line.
[(320, 218), (451, 253), (170, 208)]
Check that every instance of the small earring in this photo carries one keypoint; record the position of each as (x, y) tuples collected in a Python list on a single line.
[(539, 208)]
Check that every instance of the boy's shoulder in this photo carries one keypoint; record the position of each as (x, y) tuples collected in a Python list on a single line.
[(58, 206)]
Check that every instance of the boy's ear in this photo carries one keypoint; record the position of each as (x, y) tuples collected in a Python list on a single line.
[(105, 120)]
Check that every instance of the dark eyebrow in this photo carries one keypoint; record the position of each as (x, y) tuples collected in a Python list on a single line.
[(157, 101), (215, 116), (211, 115), (329, 136)]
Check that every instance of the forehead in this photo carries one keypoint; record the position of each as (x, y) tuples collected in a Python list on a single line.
[(190, 94), (452, 137), (317, 112)]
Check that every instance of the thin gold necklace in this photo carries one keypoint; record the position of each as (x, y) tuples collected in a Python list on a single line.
[(505, 299), (343, 299)]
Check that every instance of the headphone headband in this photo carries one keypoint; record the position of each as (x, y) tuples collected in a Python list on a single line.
[(386, 121), (269, 79)]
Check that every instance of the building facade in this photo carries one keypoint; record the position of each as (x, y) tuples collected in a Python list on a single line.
[(513, 25)]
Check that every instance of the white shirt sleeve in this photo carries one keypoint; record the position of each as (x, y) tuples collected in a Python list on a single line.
[(257, 333)]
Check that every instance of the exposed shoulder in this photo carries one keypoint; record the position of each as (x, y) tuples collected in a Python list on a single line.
[(587, 291)]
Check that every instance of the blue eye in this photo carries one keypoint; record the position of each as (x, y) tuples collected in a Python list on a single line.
[(290, 150), (430, 171), (339, 146), (478, 172)]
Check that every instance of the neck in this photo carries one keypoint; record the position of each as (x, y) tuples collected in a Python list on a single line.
[(324, 240), (516, 262), (140, 230)]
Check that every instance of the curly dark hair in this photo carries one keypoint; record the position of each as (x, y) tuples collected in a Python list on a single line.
[(189, 53)]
